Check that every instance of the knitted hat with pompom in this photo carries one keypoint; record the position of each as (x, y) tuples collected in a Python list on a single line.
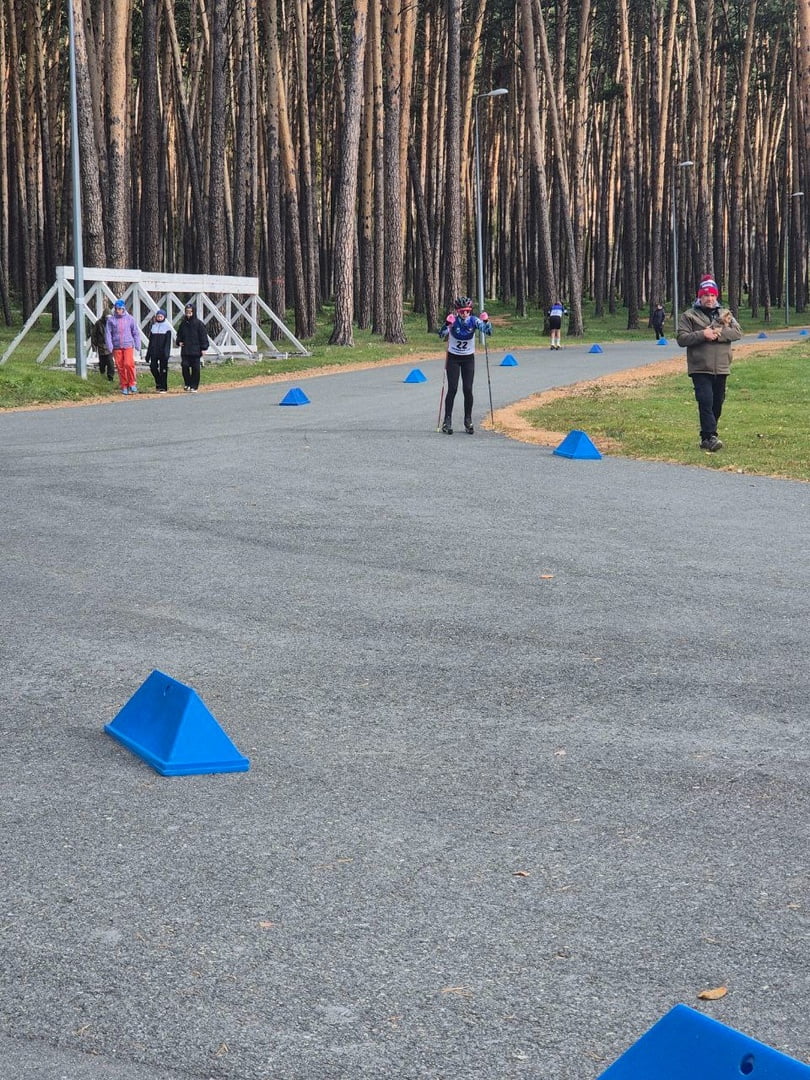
[(707, 286)]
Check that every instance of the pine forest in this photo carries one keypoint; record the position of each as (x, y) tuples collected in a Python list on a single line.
[(332, 148)]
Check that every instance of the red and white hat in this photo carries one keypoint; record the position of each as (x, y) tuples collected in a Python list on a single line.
[(708, 286)]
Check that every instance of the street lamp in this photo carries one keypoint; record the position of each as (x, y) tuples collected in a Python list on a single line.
[(675, 313), (478, 242), (795, 195), (78, 255)]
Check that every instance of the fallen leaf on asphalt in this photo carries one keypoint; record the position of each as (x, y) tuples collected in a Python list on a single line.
[(546, 577), (521, 873), (265, 924), (713, 995)]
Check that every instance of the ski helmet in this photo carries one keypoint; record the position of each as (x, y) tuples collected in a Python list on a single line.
[(463, 303)]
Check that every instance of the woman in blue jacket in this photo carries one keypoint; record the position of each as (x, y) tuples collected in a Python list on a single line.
[(459, 331)]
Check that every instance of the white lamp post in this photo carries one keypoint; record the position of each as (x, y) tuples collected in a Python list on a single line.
[(788, 214), (78, 255), (478, 241), (676, 312)]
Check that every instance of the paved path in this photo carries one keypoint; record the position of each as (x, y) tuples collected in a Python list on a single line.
[(529, 740)]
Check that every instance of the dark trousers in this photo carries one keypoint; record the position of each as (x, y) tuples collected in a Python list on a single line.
[(710, 393), (465, 367), (191, 371), (105, 364), (160, 373)]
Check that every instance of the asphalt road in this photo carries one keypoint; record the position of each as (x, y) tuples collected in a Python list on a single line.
[(528, 737)]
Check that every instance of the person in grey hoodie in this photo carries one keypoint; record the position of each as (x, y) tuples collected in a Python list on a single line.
[(159, 350), (706, 332)]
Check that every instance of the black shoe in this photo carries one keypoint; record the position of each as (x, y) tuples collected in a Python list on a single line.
[(447, 426), (468, 426), (712, 444)]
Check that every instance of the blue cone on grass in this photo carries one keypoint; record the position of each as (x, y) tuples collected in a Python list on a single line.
[(578, 445)]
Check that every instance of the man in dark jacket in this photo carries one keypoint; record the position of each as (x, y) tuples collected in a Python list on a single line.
[(193, 341), (657, 321), (706, 332)]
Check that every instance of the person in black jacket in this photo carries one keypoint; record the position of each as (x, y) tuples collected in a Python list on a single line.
[(193, 341), (657, 321), (99, 342), (159, 349)]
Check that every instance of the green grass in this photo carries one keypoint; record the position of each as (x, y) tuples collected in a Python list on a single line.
[(765, 425)]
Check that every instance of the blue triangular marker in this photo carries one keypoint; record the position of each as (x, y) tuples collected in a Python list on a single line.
[(662, 341), (804, 333), (509, 361), (577, 444), (415, 376), (762, 334), (687, 1045), (596, 348), (166, 724), (296, 396)]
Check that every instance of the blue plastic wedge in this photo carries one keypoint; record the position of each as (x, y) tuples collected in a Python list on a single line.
[(509, 361), (686, 1045), (804, 333), (662, 341), (415, 376), (167, 724), (296, 396), (762, 334), (596, 348), (578, 445)]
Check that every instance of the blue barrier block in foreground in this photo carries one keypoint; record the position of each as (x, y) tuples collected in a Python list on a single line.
[(166, 724), (686, 1045)]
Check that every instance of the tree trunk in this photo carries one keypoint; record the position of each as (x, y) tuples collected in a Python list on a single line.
[(117, 81), (150, 254), (392, 84), (429, 285), (630, 248), (574, 272), (345, 230), (454, 282), (218, 261), (549, 288)]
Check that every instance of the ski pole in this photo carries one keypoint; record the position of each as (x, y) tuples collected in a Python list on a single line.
[(489, 382), (441, 396)]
